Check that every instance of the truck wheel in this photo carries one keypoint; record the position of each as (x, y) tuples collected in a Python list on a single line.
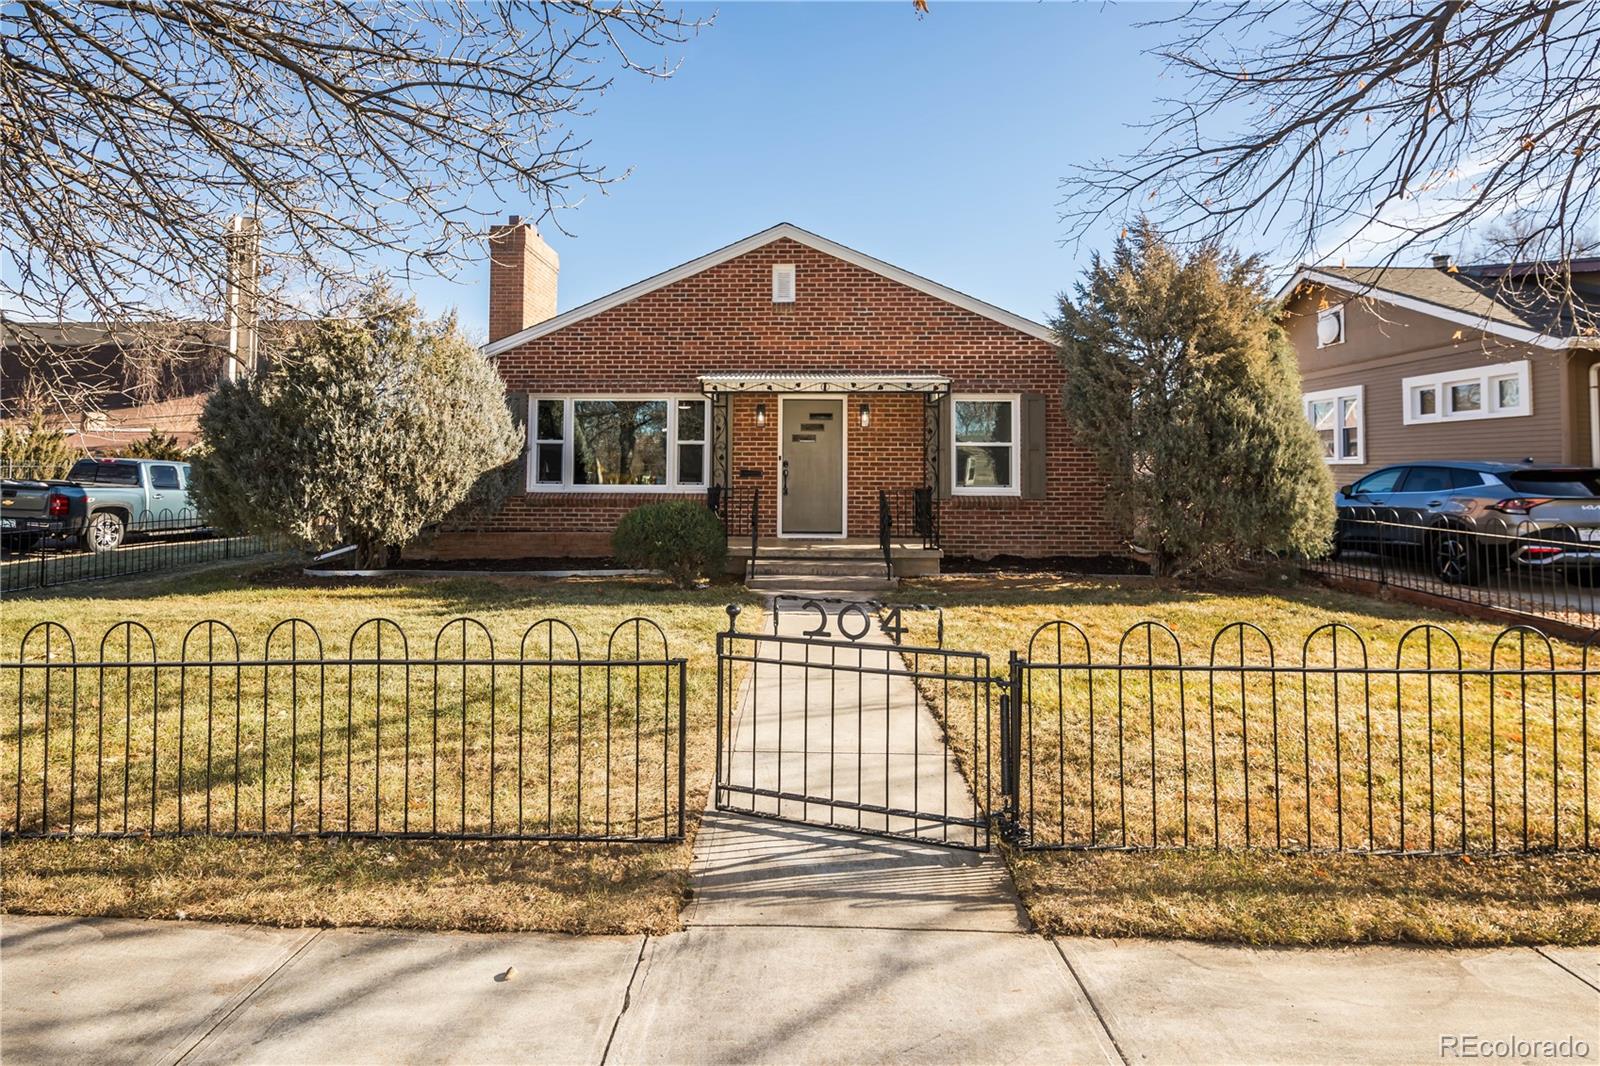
[(105, 532)]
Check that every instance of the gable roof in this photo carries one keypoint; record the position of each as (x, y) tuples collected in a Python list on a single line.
[(1492, 298), (757, 240)]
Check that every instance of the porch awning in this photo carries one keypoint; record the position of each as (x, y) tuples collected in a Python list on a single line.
[(832, 382)]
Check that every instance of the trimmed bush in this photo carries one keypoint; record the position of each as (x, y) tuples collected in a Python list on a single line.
[(681, 537)]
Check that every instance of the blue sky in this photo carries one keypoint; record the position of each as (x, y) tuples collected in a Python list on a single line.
[(935, 144)]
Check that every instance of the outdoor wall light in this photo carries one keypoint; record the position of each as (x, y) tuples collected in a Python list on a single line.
[(866, 416), (761, 414)]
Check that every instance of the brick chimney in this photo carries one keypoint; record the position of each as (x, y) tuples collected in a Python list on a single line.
[(522, 278)]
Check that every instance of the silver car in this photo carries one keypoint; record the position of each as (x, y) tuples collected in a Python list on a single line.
[(1470, 519)]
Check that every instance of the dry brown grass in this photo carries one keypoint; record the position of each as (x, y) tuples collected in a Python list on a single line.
[(1264, 898), (488, 887), (590, 887)]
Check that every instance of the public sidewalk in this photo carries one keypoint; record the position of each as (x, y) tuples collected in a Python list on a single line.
[(113, 991)]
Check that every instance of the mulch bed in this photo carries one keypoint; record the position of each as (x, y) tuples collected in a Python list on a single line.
[(1096, 565)]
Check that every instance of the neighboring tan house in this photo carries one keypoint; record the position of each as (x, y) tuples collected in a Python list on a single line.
[(1447, 362), (787, 368)]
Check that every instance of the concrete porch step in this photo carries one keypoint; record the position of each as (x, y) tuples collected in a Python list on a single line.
[(773, 555), (813, 585), (809, 550), (783, 566)]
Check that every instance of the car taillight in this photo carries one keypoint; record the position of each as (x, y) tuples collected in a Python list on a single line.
[(1520, 504), (57, 505)]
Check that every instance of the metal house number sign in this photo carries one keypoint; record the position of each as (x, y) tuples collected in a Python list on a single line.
[(854, 621)]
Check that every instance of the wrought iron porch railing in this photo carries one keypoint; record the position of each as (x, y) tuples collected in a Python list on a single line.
[(912, 514)]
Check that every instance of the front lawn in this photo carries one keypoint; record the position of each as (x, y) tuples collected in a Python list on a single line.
[(325, 731), (1139, 784)]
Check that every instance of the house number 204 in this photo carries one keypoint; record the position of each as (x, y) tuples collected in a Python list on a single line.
[(854, 621)]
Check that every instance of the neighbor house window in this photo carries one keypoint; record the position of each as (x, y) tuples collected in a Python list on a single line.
[(1339, 418), (1424, 402), (985, 451), (1330, 326), (1499, 391), (633, 444)]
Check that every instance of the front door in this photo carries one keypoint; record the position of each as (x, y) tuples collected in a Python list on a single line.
[(811, 467)]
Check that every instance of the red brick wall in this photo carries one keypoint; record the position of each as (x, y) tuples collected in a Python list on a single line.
[(844, 318)]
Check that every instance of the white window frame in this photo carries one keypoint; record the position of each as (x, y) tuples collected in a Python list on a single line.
[(534, 441), (569, 425), (1487, 378), (1337, 311), (1015, 444), (1338, 397)]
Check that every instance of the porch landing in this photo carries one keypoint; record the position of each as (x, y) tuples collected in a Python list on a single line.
[(848, 567)]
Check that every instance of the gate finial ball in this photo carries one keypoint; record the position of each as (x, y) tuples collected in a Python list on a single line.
[(733, 616)]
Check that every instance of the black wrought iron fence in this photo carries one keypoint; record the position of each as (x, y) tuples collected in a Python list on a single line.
[(1541, 569), (458, 741), (1328, 747), (151, 543)]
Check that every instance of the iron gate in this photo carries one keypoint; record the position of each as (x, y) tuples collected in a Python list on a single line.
[(830, 720)]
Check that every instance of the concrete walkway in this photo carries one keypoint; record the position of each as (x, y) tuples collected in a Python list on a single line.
[(844, 725), (804, 944)]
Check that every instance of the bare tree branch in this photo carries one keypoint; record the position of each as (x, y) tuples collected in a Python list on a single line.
[(1324, 120), (130, 130)]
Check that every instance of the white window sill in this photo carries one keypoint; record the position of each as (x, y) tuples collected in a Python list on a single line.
[(611, 490), (1465, 416)]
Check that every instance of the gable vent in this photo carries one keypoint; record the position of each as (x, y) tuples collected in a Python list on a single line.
[(783, 283)]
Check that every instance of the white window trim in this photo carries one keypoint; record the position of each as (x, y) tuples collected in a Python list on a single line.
[(1015, 400), (672, 486), (1482, 376), (1359, 392), (1335, 311)]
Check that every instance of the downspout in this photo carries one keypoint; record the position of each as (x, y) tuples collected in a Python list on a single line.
[(1594, 413)]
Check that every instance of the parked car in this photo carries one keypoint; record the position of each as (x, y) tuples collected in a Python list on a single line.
[(100, 502), (1471, 519)]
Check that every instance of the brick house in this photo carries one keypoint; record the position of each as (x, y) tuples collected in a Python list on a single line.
[(825, 395)]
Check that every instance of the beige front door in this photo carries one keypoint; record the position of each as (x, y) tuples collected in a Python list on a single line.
[(811, 466)]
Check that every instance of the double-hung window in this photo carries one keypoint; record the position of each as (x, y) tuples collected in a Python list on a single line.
[(1340, 421), (622, 444), (985, 451)]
